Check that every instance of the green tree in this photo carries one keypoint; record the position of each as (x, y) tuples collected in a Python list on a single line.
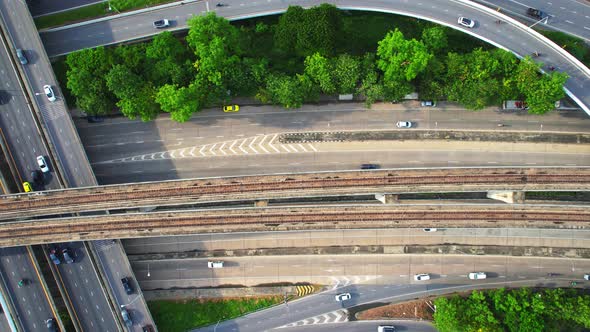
[(371, 85), (180, 102), (540, 91), (290, 92), (136, 96), (169, 61), (435, 38), (401, 60), (319, 69), (447, 317), (86, 80), (346, 73)]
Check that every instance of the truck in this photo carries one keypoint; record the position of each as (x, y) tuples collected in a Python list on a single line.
[(514, 105), (536, 13)]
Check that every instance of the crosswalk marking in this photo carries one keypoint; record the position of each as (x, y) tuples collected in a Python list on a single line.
[(254, 145)]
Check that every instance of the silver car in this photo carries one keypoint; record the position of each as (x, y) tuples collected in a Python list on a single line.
[(466, 22), (49, 92), (404, 124), (42, 164)]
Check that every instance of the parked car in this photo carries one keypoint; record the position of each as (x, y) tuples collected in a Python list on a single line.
[(53, 256), (430, 229), (422, 277), (126, 317), (49, 93), (51, 326), (160, 24), (231, 108), (386, 328), (127, 285), (477, 275), (42, 164), (428, 103), (68, 256), (342, 297), (215, 264), (464, 21), (27, 187), (369, 166), (20, 54), (404, 124)]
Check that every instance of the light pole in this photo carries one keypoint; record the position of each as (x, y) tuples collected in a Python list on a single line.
[(148, 274)]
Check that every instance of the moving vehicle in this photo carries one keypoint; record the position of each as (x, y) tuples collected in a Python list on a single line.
[(20, 54), (127, 285), (68, 257), (477, 275), (27, 187), (422, 277), (53, 256), (42, 164), (126, 317), (160, 24), (404, 124), (23, 282), (586, 276), (430, 229), (49, 92), (231, 108), (538, 14), (369, 166), (386, 328), (466, 22), (50, 323), (428, 103), (215, 264), (343, 297)]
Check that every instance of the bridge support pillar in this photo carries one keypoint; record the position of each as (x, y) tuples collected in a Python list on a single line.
[(509, 197), (387, 198), (263, 203)]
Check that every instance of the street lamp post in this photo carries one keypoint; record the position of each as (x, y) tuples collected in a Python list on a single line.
[(148, 274)]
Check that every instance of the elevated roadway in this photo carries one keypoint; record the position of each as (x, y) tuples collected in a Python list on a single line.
[(512, 36), (293, 185), (290, 218)]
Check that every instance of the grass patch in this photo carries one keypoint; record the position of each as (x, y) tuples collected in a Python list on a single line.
[(180, 316), (558, 195), (71, 16), (574, 45)]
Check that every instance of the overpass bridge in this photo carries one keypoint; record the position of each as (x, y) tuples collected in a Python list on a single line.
[(286, 218), (265, 187)]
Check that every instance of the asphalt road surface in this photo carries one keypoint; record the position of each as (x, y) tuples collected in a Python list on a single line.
[(45, 7), (30, 301), (510, 36), (214, 143), (381, 278)]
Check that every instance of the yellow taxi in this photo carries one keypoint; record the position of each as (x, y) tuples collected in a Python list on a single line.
[(27, 187), (231, 108)]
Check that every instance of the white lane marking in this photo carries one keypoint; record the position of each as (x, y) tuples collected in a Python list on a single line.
[(231, 147), (241, 148), (201, 151), (251, 147), (221, 149)]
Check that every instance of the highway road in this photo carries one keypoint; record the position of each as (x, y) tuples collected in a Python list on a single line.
[(364, 326), (214, 143), (46, 7), (30, 301), (511, 36), (572, 17), (378, 278)]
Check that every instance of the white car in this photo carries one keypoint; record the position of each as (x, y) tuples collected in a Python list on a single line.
[(422, 277), (160, 24), (386, 328), (215, 264), (477, 275), (428, 103), (342, 297), (404, 124), (42, 164), (586, 276), (49, 92), (428, 230), (464, 21)]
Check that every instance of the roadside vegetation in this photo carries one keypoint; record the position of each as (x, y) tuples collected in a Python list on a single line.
[(72, 16), (298, 57), (515, 310), (172, 316)]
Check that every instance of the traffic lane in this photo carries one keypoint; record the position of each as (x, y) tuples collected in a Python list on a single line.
[(30, 300), (394, 236), (364, 326), (84, 291), (166, 169), (111, 257), (45, 7), (374, 269), (564, 15)]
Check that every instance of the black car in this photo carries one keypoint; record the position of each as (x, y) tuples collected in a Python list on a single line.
[(127, 285), (94, 119), (538, 14), (67, 254), (369, 166)]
